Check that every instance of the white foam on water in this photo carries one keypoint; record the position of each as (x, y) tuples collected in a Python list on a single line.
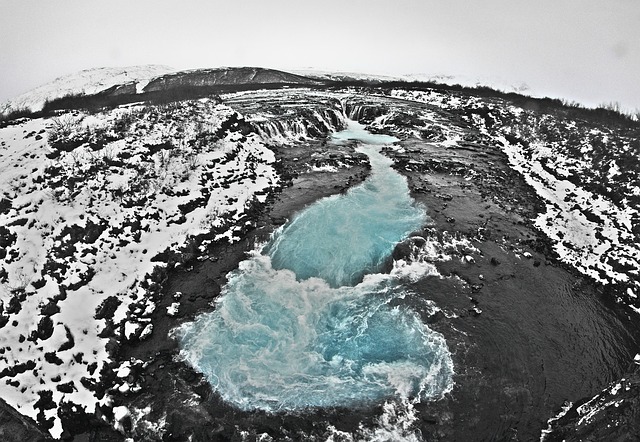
[(309, 321)]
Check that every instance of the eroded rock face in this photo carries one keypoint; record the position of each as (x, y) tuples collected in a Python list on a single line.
[(16, 428), (122, 89)]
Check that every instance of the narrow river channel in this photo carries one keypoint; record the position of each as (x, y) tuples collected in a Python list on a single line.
[(310, 319)]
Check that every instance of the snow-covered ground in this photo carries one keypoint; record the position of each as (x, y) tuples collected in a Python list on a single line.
[(586, 173), (79, 226)]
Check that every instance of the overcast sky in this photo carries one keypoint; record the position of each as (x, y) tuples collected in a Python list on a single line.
[(584, 50)]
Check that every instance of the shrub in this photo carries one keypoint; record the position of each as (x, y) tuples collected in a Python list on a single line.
[(7, 117), (67, 133)]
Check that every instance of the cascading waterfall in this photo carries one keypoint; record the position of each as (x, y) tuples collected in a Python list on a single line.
[(319, 123), (361, 112), (309, 322)]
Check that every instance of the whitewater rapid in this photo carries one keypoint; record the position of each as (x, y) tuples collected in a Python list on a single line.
[(310, 321)]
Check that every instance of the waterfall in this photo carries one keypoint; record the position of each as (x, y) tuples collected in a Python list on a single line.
[(362, 113), (316, 123)]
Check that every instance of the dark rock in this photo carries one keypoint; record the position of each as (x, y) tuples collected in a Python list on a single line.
[(52, 358), (50, 309), (108, 331), (437, 316), (70, 341), (67, 387), (405, 249), (38, 284), (224, 77), (614, 414), (5, 206), (7, 238), (46, 400), (45, 328), (495, 261), (108, 307), (17, 369)]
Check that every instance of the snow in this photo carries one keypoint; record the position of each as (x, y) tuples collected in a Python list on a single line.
[(119, 413), (76, 246), (89, 81), (589, 230), (588, 245), (565, 409), (172, 310), (324, 168)]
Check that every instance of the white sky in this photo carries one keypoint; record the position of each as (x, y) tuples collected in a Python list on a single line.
[(584, 50)]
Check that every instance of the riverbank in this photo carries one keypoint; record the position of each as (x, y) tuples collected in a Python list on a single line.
[(512, 315), (527, 332), (172, 391)]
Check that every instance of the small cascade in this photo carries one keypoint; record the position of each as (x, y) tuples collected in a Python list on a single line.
[(362, 113), (316, 123)]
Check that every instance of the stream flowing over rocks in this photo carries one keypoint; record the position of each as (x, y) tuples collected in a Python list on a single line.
[(308, 321), (466, 268)]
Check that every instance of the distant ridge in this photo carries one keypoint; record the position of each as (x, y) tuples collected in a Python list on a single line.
[(226, 77), (89, 82), (110, 87), (148, 79)]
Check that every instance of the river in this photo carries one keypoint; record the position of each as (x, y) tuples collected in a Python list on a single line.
[(311, 320)]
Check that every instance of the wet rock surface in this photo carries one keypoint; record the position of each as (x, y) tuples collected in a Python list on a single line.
[(613, 414), (17, 428), (522, 317)]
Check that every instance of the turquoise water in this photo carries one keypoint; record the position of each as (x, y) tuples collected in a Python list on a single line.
[(307, 321), (344, 237)]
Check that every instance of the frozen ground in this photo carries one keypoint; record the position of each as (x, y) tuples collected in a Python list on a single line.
[(587, 174), (81, 226)]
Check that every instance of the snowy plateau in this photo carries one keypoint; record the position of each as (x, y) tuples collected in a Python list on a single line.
[(102, 208)]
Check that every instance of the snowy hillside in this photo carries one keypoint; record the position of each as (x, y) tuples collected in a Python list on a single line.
[(87, 203), (89, 81)]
